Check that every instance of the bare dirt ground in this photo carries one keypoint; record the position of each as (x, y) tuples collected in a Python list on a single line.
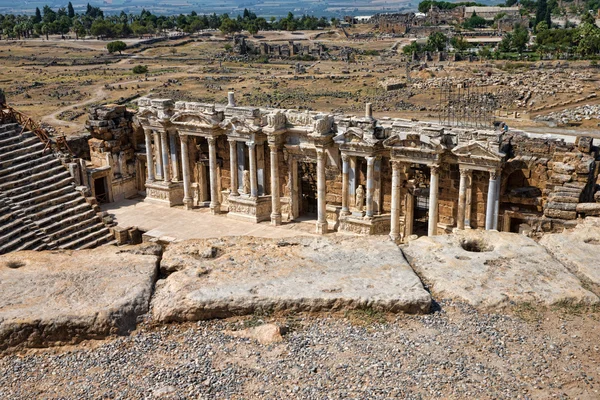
[(456, 353), (56, 80)]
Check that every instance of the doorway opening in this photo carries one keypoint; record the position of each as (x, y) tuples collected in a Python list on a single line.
[(100, 190)]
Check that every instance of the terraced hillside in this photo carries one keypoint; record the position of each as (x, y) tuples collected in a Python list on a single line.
[(39, 206)]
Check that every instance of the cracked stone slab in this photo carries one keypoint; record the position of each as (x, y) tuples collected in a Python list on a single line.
[(215, 278), (62, 297), (578, 249), (490, 269)]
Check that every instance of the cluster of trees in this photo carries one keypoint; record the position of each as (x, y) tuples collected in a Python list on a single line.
[(583, 40), (437, 41), (425, 5), (94, 22)]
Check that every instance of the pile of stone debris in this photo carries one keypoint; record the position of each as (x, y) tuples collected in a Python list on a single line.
[(576, 114)]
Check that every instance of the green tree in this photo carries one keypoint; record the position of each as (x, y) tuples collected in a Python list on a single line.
[(520, 39), (437, 41), (460, 44), (116, 46), (45, 30), (70, 10), (38, 16), (140, 69)]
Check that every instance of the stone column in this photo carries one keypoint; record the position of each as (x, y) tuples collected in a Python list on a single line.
[(253, 179), (215, 205), (395, 217), (159, 160), (233, 166), (370, 186), (345, 182), (275, 201), (409, 216), (433, 201), (149, 155), (468, 199), (321, 192), (165, 156), (185, 164), (497, 202), (491, 201), (174, 159), (462, 196)]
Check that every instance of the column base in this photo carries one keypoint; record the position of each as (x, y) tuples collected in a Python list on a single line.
[(188, 204), (215, 208), (394, 236), (377, 225), (250, 209), (321, 228), (165, 193), (275, 219)]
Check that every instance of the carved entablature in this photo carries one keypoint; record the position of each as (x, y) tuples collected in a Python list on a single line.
[(245, 129), (358, 141), (482, 155), (147, 118), (415, 147), (195, 123)]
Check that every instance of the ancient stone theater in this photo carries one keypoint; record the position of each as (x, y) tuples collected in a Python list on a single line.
[(348, 174)]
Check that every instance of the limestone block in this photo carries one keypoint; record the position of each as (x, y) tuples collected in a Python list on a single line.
[(589, 208), (553, 213), (561, 206)]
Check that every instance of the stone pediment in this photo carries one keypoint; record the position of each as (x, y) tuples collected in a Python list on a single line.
[(194, 120), (416, 142), (239, 126), (357, 137), (477, 150)]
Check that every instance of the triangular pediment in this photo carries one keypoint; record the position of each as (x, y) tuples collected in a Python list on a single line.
[(477, 150)]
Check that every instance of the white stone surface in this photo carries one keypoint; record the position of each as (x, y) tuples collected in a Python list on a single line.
[(515, 269), (237, 276), (63, 297), (578, 249)]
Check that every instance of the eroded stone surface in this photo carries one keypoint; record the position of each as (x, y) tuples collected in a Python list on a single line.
[(237, 276), (578, 249), (62, 297), (493, 269)]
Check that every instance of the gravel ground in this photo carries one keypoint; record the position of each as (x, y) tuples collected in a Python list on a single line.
[(456, 352)]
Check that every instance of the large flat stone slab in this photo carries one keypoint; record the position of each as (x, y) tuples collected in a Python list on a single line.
[(493, 269), (578, 249), (216, 278), (59, 297)]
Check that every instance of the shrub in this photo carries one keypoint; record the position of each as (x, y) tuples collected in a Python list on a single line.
[(140, 69)]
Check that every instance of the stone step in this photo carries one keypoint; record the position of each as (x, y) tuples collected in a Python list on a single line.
[(65, 182), (78, 226), (45, 196), (33, 147), (34, 177), (26, 164), (12, 227), (88, 240), (68, 221), (15, 137), (20, 142), (52, 201), (108, 239), (7, 128), (43, 223), (43, 183), (10, 246), (58, 208), (28, 169), (36, 244), (78, 233), (21, 159)]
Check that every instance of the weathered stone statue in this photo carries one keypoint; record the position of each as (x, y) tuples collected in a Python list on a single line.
[(246, 182), (360, 198)]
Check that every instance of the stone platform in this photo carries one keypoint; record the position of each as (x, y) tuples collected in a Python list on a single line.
[(494, 269), (217, 278), (49, 298)]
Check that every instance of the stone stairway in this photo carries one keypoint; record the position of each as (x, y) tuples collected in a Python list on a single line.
[(39, 206)]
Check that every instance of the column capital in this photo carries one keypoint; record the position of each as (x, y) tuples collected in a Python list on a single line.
[(396, 164), (464, 171), (148, 131), (345, 157), (251, 144), (493, 175), (231, 141), (321, 152), (211, 140), (435, 169), (370, 160), (184, 138), (274, 147)]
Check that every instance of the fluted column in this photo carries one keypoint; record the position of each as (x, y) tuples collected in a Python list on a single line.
[(174, 158), (468, 200), (275, 200), (233, 167), (185, 164), (253, 178), (321, 192), (497, 202), (345, 182), (462, 196), (215, 205), (491, 201), (164, 147), (395, 217), (159, 160), (370, 185), (149, 155), (433, 201)]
